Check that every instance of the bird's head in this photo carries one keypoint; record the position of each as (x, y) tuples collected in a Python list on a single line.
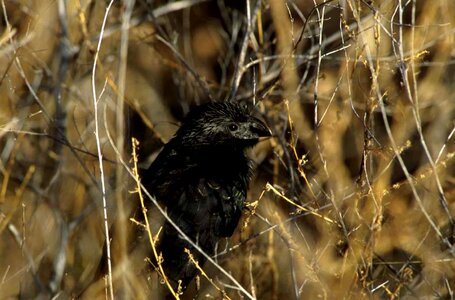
[(221, 125)]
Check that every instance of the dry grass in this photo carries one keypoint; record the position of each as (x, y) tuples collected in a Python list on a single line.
[(353, 197)]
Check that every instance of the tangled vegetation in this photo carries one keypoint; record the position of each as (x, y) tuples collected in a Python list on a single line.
[(353, 197)]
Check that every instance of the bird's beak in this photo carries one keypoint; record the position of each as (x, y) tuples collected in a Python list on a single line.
[(259, 129)]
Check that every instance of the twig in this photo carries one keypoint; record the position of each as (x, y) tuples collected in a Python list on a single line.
[(415, 106), (100, 155), (393, 143), (270, 187), (196, 263), (239, 67), (147, 227), (19, 240), (202, 83)]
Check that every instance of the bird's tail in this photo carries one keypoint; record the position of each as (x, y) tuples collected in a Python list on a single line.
[(176, 262)]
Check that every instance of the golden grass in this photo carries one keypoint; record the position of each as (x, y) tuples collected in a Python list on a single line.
[(353, 197)]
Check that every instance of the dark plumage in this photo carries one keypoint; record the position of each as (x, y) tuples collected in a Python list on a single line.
[(201, 176)]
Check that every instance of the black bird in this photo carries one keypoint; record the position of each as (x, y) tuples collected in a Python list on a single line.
[(201, 176)]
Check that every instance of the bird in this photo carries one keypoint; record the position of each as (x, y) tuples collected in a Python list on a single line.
[(201, 177)]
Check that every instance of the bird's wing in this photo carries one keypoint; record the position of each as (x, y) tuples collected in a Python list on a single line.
[(209, 207), (168, 174)]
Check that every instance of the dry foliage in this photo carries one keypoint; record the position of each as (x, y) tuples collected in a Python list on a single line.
[(353, 197)]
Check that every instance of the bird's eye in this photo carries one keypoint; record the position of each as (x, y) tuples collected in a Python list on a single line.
[(233, 127)]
